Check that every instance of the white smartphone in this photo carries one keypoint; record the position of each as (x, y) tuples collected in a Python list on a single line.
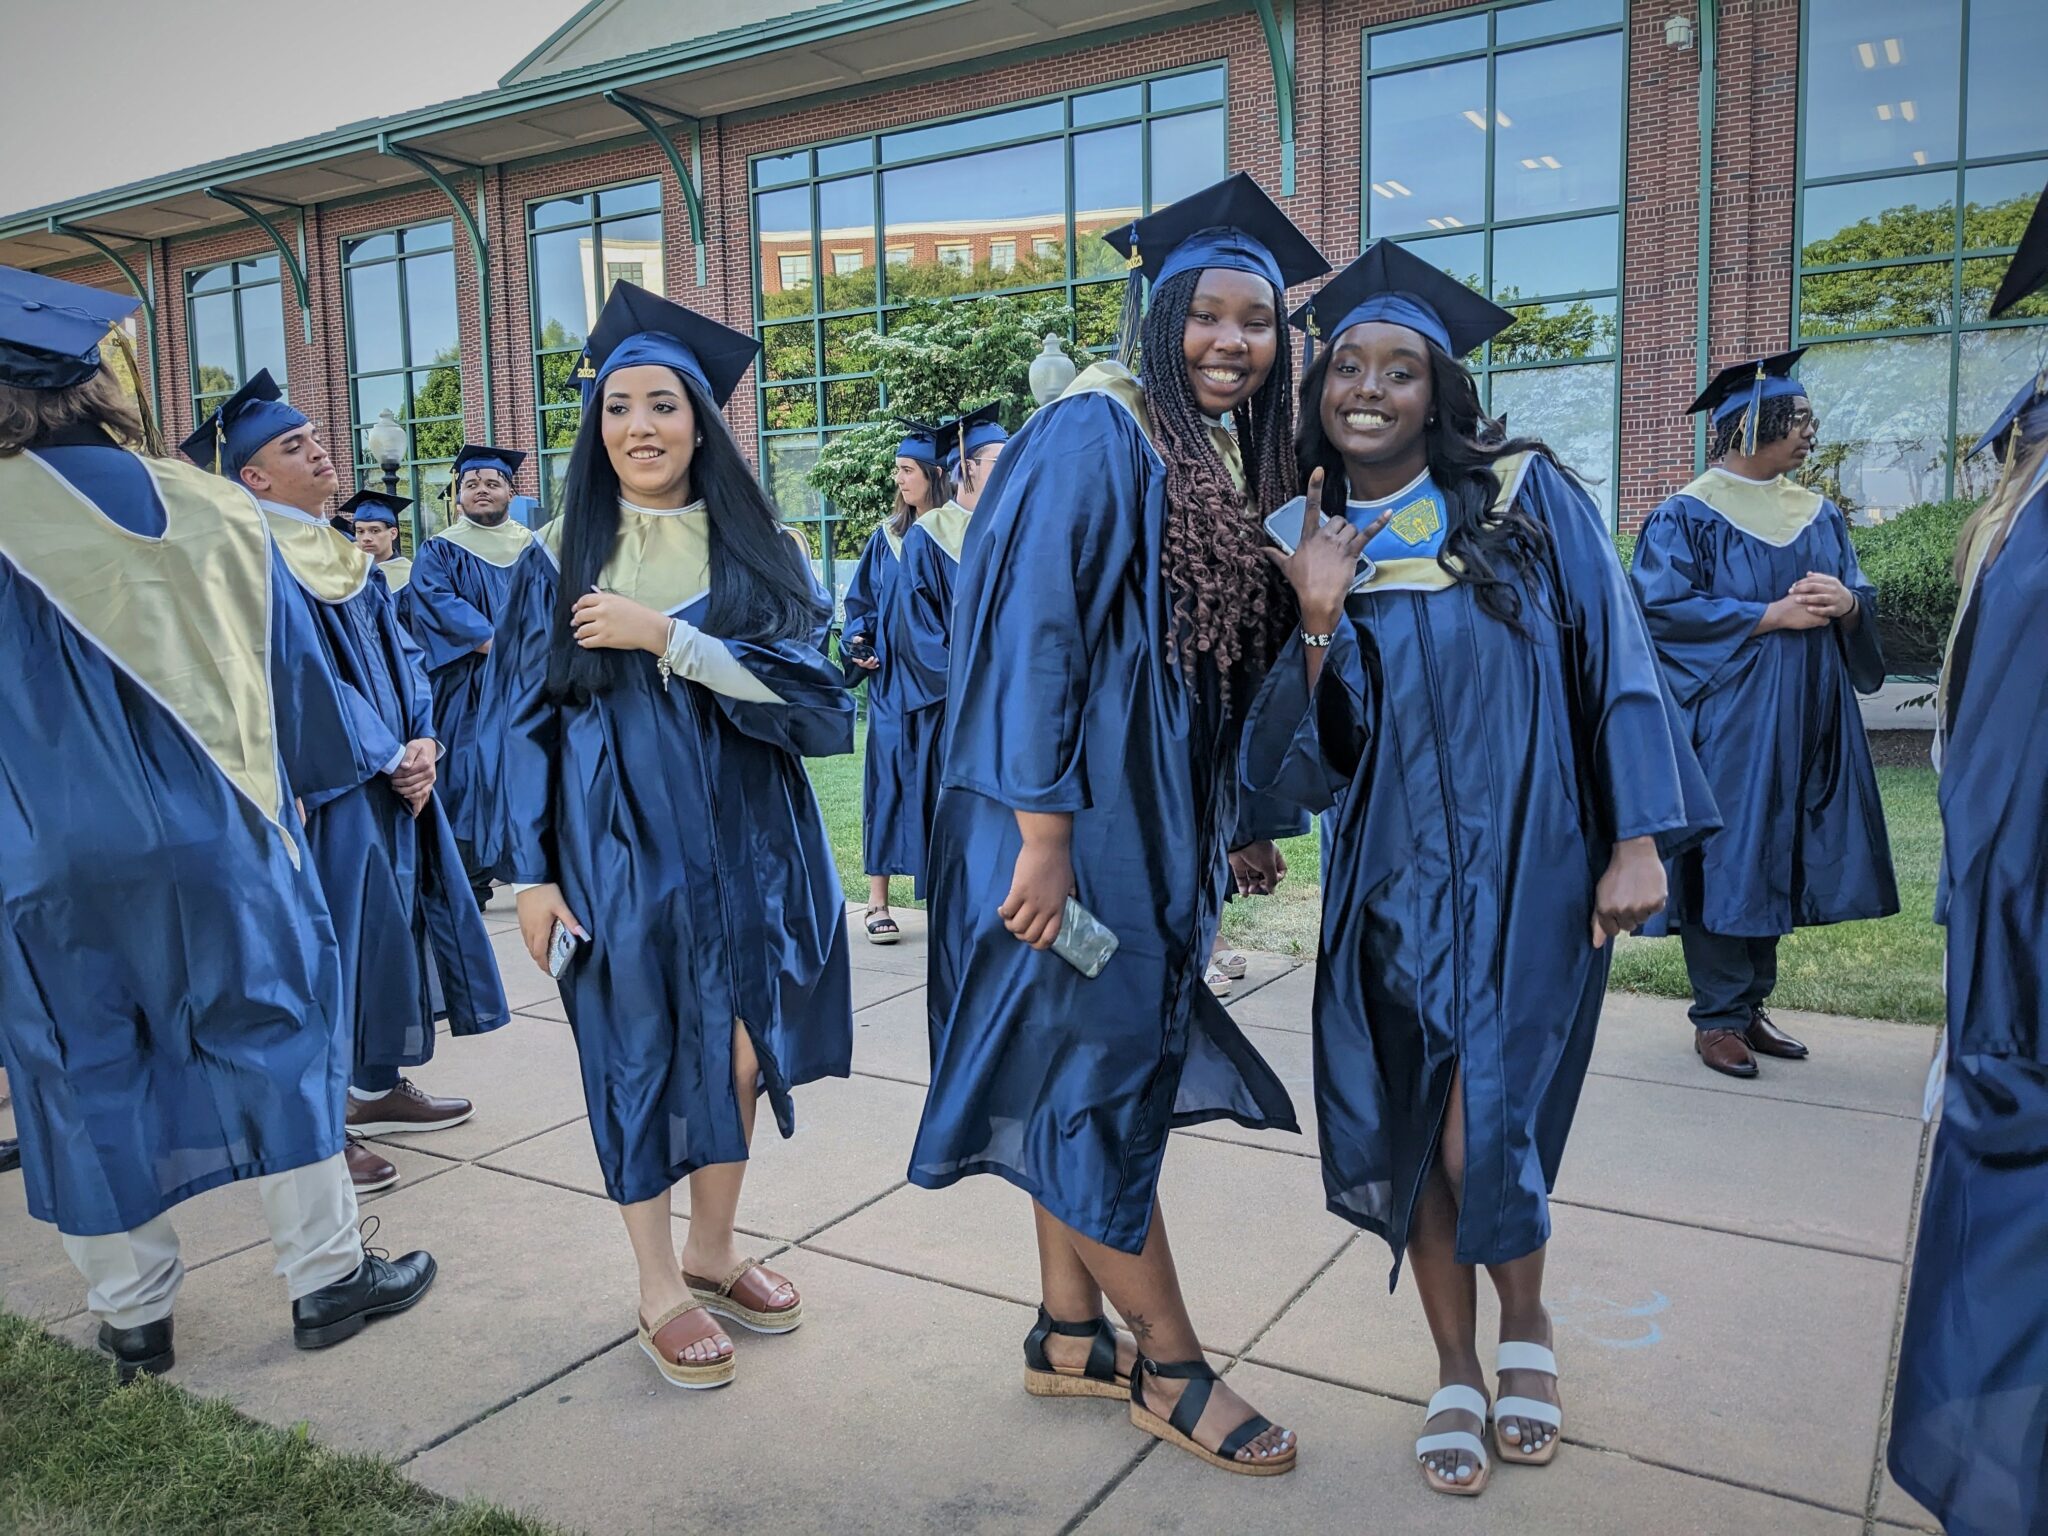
[(561, 949), (1283, 526)]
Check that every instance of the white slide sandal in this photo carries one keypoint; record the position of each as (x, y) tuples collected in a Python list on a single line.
[(1527, 1357), (1469, 1400)]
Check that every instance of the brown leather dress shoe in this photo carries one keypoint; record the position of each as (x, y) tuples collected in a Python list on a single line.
[(1766, 1039), (1725, 1051), (403, 1109), (366, 1170)]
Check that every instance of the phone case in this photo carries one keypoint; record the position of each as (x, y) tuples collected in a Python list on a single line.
[(1084, 942), (561, 950), (1285, 523)]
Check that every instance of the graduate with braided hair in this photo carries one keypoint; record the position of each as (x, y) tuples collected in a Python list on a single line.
[(1115, 614)]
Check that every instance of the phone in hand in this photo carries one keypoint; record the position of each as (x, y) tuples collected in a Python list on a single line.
[(561, 949), (857, 650), (1084, 941), (1284, 527)]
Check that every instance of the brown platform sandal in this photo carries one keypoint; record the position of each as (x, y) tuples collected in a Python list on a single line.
[(1098, 1378), (675, 1331), (747, 1296), (1179, 1428)]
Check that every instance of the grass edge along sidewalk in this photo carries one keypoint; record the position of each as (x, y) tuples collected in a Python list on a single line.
[(1888, 969), (79, 1455)]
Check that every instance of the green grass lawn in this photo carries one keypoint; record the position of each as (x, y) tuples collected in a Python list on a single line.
[(80, 1456), (1881, 970)]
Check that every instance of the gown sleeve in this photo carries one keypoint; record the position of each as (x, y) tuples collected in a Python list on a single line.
[(1636, 749), (321, 751), (862, 600), (446, 624), (1697, 634), (1305, 748), (532, 727), (417, 694), (807, 711), (924, 618), (1861, 649), (1041, 576)]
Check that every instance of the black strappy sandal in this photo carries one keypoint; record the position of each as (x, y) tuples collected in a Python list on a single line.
[(1098, 1378), (1187, 1413), (883, 929)]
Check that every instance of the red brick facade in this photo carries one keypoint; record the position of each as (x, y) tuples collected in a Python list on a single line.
[(1752, 213)]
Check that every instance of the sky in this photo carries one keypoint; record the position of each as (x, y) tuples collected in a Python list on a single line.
[(96, 93)]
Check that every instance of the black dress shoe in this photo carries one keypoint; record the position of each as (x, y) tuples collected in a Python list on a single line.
[(10, 1153), (136, 1350), (379, 1287), (1766, 1039)]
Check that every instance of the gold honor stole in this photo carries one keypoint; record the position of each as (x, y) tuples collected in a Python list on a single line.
[(397, 572), (161, 609), (1112, 378), (327, 565), (948, 527), (662, 560), (500, 546), (1415, 521), (1777, 511)]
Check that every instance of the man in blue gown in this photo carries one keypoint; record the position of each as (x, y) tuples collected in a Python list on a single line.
[(1969, 1433), (373, 524), (412, 945), (459, 580), (171, 1013), (1767, 631)]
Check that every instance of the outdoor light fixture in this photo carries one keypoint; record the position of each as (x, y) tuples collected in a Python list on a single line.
[(1679, 33), (386, 444), (1051, 371)]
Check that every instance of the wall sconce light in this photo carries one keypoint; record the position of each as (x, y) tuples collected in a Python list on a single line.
[(1680, 33)]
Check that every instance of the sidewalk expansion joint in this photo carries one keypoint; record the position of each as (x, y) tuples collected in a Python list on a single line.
[(848, 1215), (1766, 1098), (524, 1392), (1704, 1226)]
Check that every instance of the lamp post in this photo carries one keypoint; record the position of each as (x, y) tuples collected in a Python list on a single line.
[(386, 443), (1051, 371)]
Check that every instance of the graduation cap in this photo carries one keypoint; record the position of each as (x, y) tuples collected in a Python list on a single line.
[(1389, 282), (2029, 269), (1232, 225), (637, 327), (505, 461), (2025, 415), (920, 442), (50, 330), (252, 416), (978, 429), (374, 507), (1745, 387)]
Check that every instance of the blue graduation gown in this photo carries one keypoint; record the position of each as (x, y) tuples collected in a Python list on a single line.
[(1969, 1435), (452, 601), (170, 1004), (920, 625), (414, 948), (687, 841), (892, 801), (1064, 697), (1480, 779), (1773, 717)]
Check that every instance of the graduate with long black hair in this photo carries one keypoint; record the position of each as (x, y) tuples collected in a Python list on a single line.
[(663, 647), (1968, 1436), (1115, 614), (1473, 689)]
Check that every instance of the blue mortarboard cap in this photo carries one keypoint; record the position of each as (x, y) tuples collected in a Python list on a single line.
[(2029, 267), (505, 461), (636, 327), (252, 416), (1391, 283), (2027, 412), (50, 330), (976, 429), (375, 507), (1233, 225), (920, 442), (1746, 386)]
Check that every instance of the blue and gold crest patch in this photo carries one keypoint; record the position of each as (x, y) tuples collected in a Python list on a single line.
[(1418, 522)]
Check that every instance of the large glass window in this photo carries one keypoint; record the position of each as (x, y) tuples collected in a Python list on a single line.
[(405, 354), (1922, 150), (577, 247), (234, 315), (1005, 202), (1493, 148)]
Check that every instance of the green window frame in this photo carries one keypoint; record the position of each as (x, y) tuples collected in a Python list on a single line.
[(1904, 365), (815, 401), (1561, 325), (583, 217), (247, 292), (425, 393)]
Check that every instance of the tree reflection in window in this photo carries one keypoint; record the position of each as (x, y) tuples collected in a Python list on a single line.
[(404, 348)]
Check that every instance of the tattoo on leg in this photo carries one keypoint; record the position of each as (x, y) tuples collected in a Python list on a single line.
[(1140, 1329)]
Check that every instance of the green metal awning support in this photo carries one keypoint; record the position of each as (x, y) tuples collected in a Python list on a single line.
[(1277, 17), (643, 114), (143, 291), (293, 260), (479, 248)]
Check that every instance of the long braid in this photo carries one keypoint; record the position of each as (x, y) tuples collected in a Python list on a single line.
[(1228, 605)]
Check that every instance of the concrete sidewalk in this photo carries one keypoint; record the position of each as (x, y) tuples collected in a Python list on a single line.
[(1726, 1277)]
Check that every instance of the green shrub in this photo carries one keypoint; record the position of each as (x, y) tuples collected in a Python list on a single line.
[(1625, 546), (1910, 560)]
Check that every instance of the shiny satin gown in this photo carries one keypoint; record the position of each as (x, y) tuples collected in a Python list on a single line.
[(683, 831), (892, 802), (171, 1012), (1480, 779), (1969, 1434), (1064, 697), (1773, 717), (920, 625)]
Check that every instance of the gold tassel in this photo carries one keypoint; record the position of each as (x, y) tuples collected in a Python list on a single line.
[(152, 433), (1755, 411)]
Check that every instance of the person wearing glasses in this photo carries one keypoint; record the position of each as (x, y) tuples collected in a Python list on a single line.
[(1767, 631)]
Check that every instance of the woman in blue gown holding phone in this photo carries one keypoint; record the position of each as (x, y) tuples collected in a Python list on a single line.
[(663, 651)]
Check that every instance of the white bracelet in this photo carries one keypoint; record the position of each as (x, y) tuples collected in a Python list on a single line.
[(1318, 642)]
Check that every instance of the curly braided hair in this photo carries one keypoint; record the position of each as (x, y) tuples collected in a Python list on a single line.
[(1229, 605), (1773, 422)]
